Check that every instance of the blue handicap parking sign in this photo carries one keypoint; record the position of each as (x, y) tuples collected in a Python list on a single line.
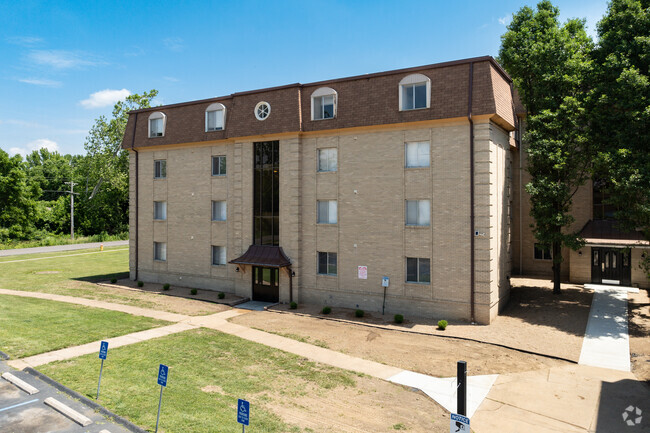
[(243, 411), (103, 350), (162, 375)]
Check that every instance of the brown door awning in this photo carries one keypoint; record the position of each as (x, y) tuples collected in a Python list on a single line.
[(270, 256), (606, 232)]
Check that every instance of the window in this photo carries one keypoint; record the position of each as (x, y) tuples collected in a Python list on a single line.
[(323, 104), (414, 92), (542, 253), (266, 193), (327, 263), (327, 211), (160, 210), (218, 255), (327, 159), (160, 251), (218, 166), (418, 270), (214, 117), (160, 169), (418, 212), (219, 211), (417, 154), (262, 110), (157, 123)]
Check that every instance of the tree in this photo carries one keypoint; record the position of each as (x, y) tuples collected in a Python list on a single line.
[(548, 63), (17, 198), (103, 174)]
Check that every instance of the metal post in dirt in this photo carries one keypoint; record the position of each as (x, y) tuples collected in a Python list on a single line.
[(461, 377)]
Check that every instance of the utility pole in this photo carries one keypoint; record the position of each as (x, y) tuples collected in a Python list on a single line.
[(72, 193)]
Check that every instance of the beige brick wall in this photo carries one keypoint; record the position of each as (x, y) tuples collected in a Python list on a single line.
[(638, 275)]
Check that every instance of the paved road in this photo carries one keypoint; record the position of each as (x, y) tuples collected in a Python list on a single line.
[(57, 248)]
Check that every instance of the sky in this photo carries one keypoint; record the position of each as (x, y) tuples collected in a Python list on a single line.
[(64, 63)]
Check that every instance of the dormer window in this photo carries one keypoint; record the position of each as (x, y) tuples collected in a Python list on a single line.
[(414, 92), (323, 104), (215, 116), (157, 123)]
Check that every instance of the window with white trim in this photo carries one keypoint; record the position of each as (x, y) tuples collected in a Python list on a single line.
[(327, 159), (418, 270), (414, 92), (218, 255), (417, 154), (262, 110), (160, 169), (160, 251), (219, 165), (327, 210), (219, 211), (160, 210), (323, 103), (215, 116), (157, 123), (418, 212), (327, 264)]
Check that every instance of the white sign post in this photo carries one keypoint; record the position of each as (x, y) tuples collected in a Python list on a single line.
[(459, 424)]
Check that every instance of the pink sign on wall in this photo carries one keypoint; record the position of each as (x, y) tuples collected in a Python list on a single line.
[(363, 272)]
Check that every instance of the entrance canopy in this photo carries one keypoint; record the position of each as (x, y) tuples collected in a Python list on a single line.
[(606, 233), (269, 256)]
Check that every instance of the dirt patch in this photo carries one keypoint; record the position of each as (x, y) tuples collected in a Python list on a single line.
[(213, 389), (639, 328), (177, 291), (47, 272)]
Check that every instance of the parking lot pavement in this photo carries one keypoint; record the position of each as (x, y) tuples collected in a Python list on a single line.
[(21, 412)]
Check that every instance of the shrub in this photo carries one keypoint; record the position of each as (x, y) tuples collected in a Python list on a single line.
[(327, 310), (221, 295), (399, 318), (166, 286), (358, 313), (140, 283), (442, 324), (194, 291), (113, 280), (293, 305)]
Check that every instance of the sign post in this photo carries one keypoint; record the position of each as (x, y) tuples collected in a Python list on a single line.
[(103, 351), (385, 281), (163, 372), (243, 413), (459, 424), (461, 396)]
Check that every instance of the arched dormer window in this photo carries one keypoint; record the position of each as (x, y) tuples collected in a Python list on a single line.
[(414, 92), (323, 103), (157, 124), (215, 117)]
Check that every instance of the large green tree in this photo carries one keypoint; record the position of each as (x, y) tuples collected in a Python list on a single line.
[(548, 63), (17, 199)]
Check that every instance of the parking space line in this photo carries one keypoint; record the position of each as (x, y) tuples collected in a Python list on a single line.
[(18, 405)]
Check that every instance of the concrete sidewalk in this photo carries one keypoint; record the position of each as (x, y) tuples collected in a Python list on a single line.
[(58, 248)]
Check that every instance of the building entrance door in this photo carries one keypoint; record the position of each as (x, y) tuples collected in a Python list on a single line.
[(610, 266), (265, 284)]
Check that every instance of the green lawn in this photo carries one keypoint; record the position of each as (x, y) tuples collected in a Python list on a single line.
[(30, 326), (224, 366)]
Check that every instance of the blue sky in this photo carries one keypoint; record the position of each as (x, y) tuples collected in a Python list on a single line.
[(65, 63)]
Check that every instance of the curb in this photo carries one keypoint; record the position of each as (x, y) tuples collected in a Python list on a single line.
[(4, 356), (85, 400)]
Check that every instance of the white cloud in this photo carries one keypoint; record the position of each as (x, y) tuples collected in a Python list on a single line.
[(41, 143), (18, 122), (504, 21), (38, 82), (104, 98), (172, 79), (174, 44), (26, 41), (60, 59)]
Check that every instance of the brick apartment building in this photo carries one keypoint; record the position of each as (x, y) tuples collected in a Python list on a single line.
[(315, 192)]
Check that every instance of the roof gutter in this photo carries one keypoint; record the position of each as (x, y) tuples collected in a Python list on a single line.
[(471, 190), (137, 165)]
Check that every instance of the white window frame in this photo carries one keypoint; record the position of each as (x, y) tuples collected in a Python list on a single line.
[(160, 251), (421, 159), (156, 116), (163, 168), (219, 210), (423, 213), (418, 270), (331, 161), (331, 208), (321, 93), (327, 265), (411, 80), (219, 165), (268, 114), (160, 210), (214, 108), (218, 255)]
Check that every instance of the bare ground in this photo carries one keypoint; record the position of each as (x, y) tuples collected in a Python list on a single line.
[(639, 328)]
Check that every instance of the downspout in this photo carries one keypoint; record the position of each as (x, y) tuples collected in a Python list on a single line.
[(471, 189), (521, 187), (137, 249)]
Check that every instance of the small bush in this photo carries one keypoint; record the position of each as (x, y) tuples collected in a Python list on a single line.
[(113, 280), (194, 291), (327, 310), (293, 305), (166, 286), (140, 283), (442, 324), (399, 318), (221, 295), (358, 313)]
